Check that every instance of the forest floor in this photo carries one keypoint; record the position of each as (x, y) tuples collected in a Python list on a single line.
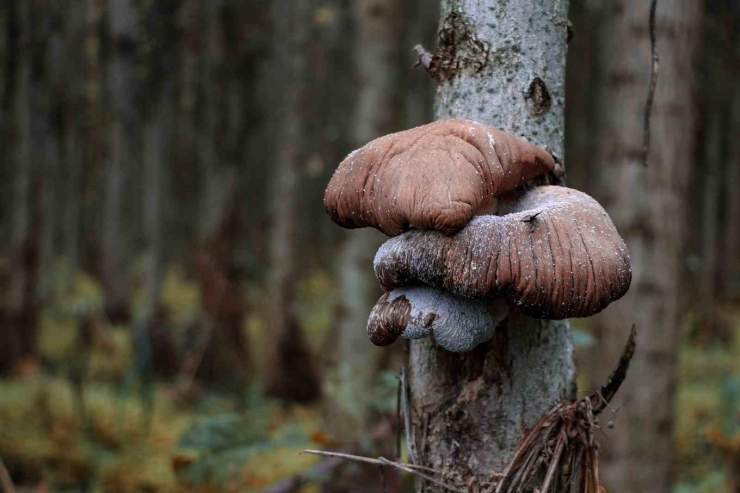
[(102, 433)]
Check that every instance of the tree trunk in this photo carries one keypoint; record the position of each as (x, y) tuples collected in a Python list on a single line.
[(648, 206), (19, 320), (377, 65), (152, 336), (290, 371), (124, 139), (714, 145), (580, 111), (732, 184), (72, 121), (731, 231), (48, 141), (471, 410), (93, 139)]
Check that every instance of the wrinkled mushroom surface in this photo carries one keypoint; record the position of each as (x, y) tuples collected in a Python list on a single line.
[(436, 176), (555, 255)]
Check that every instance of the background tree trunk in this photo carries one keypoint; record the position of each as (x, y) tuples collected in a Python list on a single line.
[(19, 324), (471, 410), (377, 65), (124, 139), (159, 54), (291, 374), (649, 207), (731, 180)]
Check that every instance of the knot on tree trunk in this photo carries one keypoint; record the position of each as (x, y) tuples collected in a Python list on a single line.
[(459, 50)]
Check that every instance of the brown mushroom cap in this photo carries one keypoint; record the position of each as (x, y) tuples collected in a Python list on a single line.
[(555, 255), (436, 176)]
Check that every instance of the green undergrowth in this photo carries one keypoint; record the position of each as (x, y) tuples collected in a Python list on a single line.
[(115, 445), (80, 432)]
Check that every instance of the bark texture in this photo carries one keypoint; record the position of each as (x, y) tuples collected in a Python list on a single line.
[(470, 411), (648, 206)]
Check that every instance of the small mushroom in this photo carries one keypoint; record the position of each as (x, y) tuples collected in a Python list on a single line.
[(456, 323), (436, 176)]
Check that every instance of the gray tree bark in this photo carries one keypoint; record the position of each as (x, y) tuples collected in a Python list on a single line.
[(378, 72), (124, 138), (470, 411), (648, 206)]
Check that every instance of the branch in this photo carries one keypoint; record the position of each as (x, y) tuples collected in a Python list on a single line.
[(381, 461), (601, 398), (651, 86), (410, 443)]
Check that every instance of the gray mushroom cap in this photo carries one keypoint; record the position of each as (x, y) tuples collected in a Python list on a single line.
[(457, 324)]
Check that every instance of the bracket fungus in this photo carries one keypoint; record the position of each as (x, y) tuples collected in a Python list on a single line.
[(437, 176), (552, 252)]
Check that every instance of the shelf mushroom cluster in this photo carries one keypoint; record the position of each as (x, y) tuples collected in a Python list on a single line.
[(453, 271)]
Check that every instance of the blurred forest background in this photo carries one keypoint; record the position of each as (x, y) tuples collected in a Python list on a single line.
[(179, 314)]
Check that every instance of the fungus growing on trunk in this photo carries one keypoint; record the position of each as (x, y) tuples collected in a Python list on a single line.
[(436, 176), (552, 253)]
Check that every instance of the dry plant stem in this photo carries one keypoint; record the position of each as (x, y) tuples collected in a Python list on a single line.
[(651, 87), (381, 461), (5, 479), (398, 417), (368, 460), (410, 444), (561, 445), (600, 399)]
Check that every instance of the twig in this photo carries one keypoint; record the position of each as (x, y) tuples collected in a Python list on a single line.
[(382, 461), (531, 217), (5, 480), (407, 468), (651, 86), (600, 399), (398, 420), (407, 417), (368, 460)]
